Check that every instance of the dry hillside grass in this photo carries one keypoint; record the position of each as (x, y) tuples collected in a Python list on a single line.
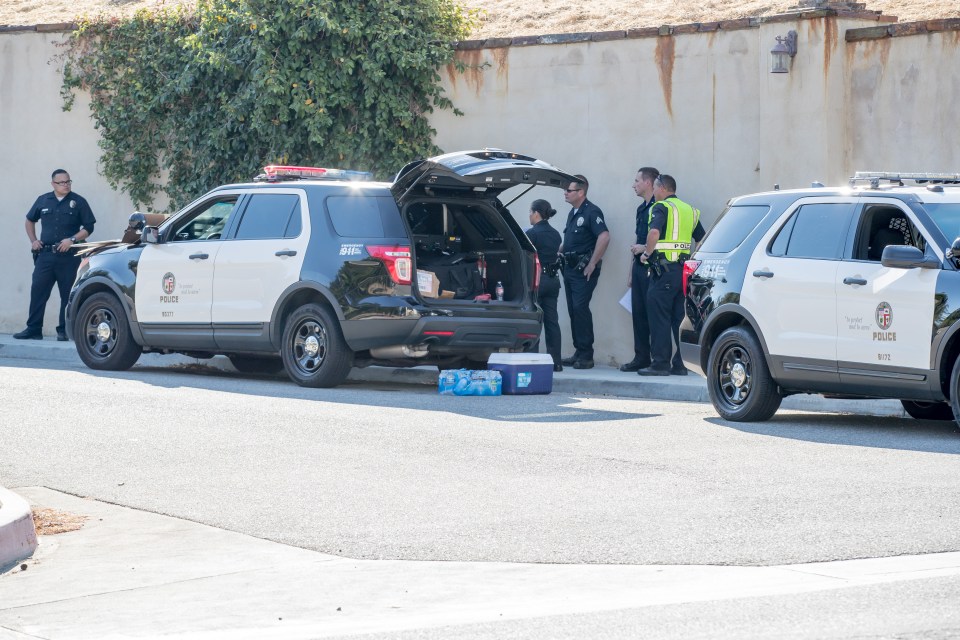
[(502, 18)]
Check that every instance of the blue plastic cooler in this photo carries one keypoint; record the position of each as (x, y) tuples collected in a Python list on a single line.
[(523, 373)]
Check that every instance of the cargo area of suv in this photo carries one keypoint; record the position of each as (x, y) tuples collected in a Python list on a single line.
[(462, 250)]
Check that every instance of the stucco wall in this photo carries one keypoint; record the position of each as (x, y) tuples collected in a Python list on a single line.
[(36, 137), (698, 103)]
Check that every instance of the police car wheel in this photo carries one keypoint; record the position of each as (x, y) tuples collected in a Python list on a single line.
[(256, 364), (102, 334), (738, 380), (928, 410), (314, 351)]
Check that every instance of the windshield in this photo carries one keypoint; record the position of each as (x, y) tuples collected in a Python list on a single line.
[(946, 215)]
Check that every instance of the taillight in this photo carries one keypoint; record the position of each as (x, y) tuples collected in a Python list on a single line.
[(536, 272), (397, 260), (689, 268)]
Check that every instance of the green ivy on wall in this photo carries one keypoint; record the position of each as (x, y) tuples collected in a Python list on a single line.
[(187, 101)]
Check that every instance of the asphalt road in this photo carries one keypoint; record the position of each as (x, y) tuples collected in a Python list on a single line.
[(398, 472)]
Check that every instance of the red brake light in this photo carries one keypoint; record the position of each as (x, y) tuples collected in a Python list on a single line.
[(689, 268), (397, 260), (536, 272)]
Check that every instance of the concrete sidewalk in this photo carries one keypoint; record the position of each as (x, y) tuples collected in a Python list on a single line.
[(129, 573), (601, 380)]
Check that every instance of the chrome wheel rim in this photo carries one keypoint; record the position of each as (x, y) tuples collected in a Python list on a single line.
[(100, 332), (309, 346), (734, 375)]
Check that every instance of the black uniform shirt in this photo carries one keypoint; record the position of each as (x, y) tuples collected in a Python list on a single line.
[(547, 241), (583, 227), (643, 221), (658, 221), (61, 219)]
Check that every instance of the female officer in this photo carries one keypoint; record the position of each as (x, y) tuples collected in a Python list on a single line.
[(547, 241)]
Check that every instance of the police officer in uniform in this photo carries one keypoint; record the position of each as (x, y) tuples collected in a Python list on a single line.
[(547, 241), (674, 225), (65, 219), (585, 238), (639, 272)]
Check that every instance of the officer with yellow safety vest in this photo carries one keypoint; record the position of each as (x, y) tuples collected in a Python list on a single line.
[(674, 225)]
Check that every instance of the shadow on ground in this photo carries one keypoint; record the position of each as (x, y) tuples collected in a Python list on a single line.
[(550, 408), (906, 434)]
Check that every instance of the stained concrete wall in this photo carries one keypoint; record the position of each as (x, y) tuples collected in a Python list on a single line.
[(698, 103)]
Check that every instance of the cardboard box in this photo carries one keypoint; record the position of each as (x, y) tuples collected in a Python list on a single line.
[(468, 382), (523, 373), (428, 284)]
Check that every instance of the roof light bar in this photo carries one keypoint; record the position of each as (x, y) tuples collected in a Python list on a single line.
[(874, 177), (277, 172)]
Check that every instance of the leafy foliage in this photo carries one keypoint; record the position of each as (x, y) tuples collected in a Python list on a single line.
[(186, 101)]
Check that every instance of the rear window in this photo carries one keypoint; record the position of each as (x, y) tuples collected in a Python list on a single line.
[(363, 216), (268, 215), (733, 226), (814, 231)]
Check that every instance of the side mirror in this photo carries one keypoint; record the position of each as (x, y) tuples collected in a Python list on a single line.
[(150, 235), (900, 256)]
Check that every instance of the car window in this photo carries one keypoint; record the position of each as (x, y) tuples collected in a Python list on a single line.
[(363, 216), (732, 227), (816, 230), (881, 226), (268, 215), (205, 223), (945, 215)]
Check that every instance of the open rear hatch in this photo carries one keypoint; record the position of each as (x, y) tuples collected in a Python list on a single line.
[(466, 245), (488, 172)]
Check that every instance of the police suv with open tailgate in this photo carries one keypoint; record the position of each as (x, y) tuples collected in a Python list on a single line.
[(316, 270), (849, 292)]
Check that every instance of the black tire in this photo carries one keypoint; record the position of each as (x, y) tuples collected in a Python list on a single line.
[(267, 365), (102, 334), (738, 379), (313, 349), (928, 410)]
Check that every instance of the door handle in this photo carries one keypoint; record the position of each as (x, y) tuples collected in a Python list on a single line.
[(762, 274), (200, 256), (854, 281), (287, 252)]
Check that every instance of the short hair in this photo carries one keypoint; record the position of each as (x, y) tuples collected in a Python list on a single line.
[(57, 172), (668, 182), (582, 181), (648, 173)]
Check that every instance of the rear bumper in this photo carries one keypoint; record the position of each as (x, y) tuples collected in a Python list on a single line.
[(444, 335)]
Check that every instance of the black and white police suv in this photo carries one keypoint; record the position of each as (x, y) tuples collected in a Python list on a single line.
[(317, 270), (850, 292)]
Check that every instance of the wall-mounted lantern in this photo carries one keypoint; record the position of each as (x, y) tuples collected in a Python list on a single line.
[(785, 48)]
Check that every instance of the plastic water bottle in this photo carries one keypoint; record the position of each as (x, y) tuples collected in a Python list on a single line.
[(499, 290)]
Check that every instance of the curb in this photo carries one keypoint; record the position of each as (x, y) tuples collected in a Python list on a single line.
[(599, 381), (18, 537)]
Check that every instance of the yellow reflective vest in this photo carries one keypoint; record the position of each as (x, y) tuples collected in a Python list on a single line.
[(677, 237)]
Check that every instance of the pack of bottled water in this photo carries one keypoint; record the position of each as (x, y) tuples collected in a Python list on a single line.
[(470, 382)]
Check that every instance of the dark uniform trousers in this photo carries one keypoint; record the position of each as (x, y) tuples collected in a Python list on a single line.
[(665, 313), (639, 284), (51, 268), (547, 296), (579, 292)]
